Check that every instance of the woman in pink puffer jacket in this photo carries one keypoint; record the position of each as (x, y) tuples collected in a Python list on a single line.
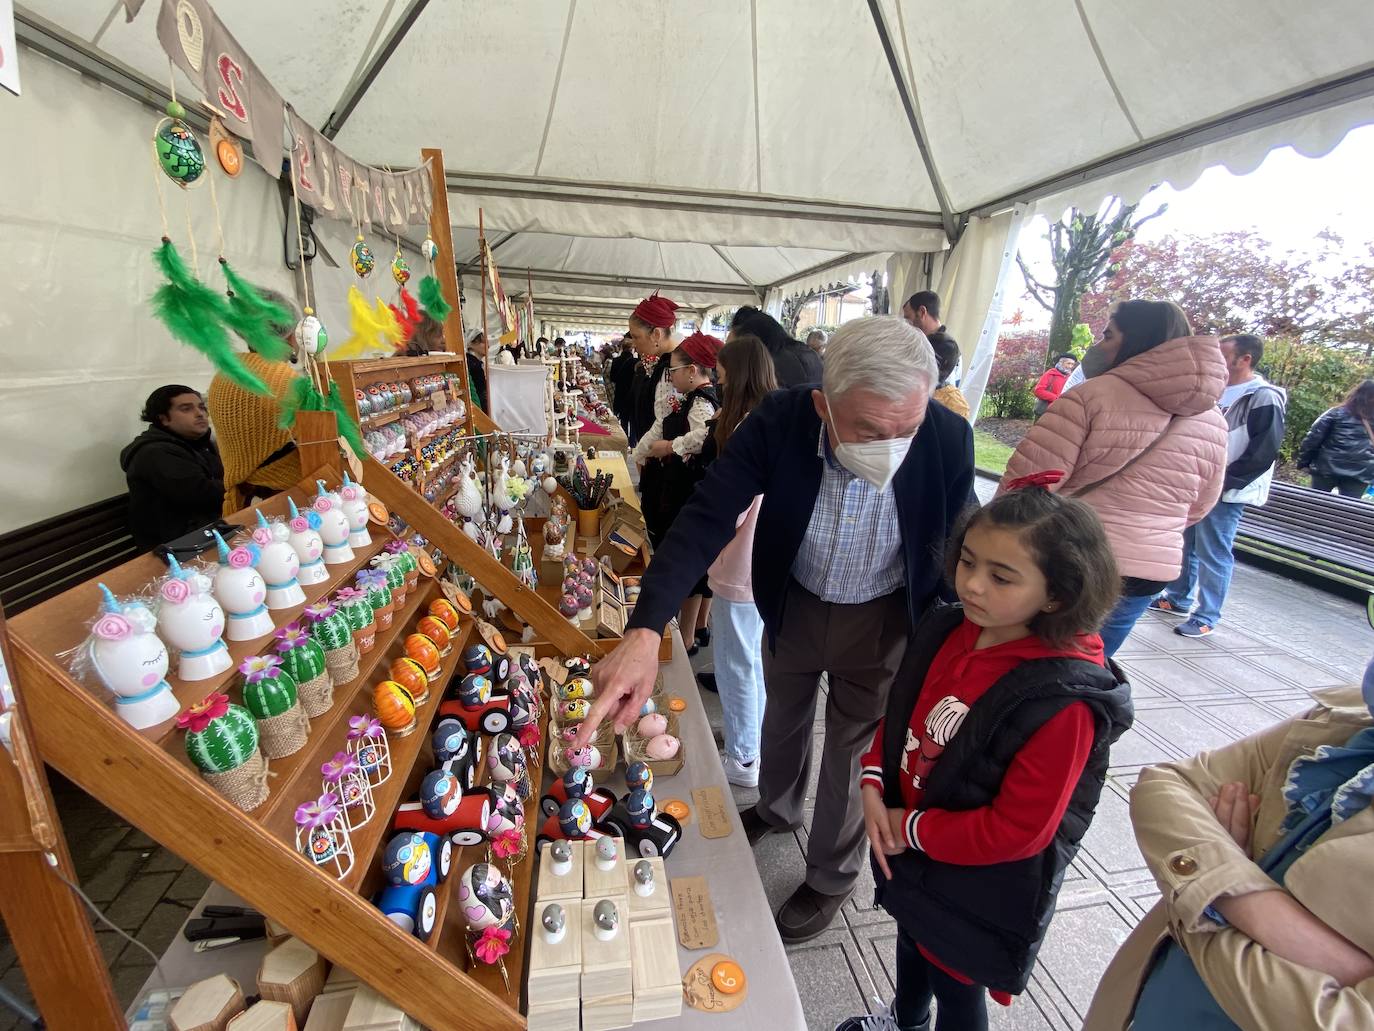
[(1142, 442)]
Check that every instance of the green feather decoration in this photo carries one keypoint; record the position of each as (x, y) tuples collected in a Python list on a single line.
[(196, 315), (302, 396), (261, 323), (348, 426), (432, 299)]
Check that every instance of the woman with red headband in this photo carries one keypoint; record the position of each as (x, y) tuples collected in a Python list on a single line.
[(652, 334)]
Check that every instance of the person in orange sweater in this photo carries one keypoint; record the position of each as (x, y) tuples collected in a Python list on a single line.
[(986, 768)]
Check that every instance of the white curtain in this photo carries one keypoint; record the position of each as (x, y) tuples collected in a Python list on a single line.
[(517, 397)]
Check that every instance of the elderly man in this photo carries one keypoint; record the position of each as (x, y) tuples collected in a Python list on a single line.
[(816, 340), (861, 481)]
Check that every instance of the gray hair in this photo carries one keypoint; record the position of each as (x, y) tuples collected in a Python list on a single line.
[(882, 354), (814, 334), (279, 298)]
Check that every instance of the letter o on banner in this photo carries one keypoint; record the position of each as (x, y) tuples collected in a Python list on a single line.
[(191, 33)]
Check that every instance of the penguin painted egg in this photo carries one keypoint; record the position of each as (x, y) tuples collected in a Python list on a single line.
[(510, 806), (410, 675), (574, 818), (362, 258), (424, 651), (477, 659), (523, 707), (436, 630), (442, 608), (394, 706), (440, 794), (485, 897), (639, 803), (577, 666), (505, 758), (500, 668), (638, 776), (575, 710), (649, 706), (588, 757), (451, 740), (577, 687), (474, 691), (406, 859), (178, 152)]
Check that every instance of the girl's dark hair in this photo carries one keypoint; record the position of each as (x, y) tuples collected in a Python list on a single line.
[(1360, 403), (1069, 546), (428, 336), (749, 377), (159, 403), (1146, 325), (768, 329)]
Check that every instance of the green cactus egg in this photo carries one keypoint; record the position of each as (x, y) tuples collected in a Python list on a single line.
[(379, 597), (358, 613), (270, 696), (332, 632), (226, 743), (395, 576), (306, 662), (179, 153)]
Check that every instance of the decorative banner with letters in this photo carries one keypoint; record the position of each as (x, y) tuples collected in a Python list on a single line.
[(498, 294), (335, 185)]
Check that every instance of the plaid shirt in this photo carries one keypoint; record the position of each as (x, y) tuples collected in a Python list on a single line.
[(852, 551)]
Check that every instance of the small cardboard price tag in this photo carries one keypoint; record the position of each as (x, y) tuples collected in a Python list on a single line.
[(715, 983), (712, 816), (696, 913)]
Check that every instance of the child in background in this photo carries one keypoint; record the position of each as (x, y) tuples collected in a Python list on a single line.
[(682, 435), (986, 769)]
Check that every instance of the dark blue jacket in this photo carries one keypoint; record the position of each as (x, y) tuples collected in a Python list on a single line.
[(773, 453)]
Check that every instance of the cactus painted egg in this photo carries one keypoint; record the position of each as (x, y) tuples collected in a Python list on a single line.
[(410, 675), (577, 687), (638, 775), (436, 630), (400, 271), (575, 710), (574, 818), (477, 658), (424, 651), (362, 258), (652, 725), (269, 694), (588, 757), (440, 793), (451, 740), (665, 746), (474, 691), (406, 859), (227, 742), (485, 896), (442, 608), (179, 153), (394, 706), (305, 661)]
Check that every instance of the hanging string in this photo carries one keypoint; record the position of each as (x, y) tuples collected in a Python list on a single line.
[(157, 185), (190, 229), (214, 203), (311, 364)]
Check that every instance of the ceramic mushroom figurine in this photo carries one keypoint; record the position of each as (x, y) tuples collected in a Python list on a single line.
[(278, 563), (355, 510), (305, 538), (605, 919), (131, 661), (241, 590), (555, 923), (190, 619), (334, 528)]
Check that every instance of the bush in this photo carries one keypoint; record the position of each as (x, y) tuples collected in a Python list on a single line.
[(1316, 378), (1019, 361)]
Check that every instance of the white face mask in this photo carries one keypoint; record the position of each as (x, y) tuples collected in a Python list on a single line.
[(876, 461)]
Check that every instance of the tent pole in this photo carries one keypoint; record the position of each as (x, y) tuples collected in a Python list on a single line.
[(486, 344), (441, 232)]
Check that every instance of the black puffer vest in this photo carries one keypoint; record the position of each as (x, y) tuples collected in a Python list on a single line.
[(987, 922)]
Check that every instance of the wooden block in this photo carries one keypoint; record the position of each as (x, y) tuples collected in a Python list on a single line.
[(207, 1005), (265, 1016), (340, 980), (605, 964), (293, 973), (555, 971), (649, 907), (329, 1012), (598, 882), (276, 933), (605, 1014), (558, 1016), (657, 980), (552, 887), (371, 1012)]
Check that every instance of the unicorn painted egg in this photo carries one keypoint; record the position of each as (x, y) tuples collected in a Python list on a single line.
[(574, 818), (407, 859)]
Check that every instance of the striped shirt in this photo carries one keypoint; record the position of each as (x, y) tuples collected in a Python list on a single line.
[(852, 551)]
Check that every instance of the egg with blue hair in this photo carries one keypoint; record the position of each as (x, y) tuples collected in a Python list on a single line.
[(574, 818)]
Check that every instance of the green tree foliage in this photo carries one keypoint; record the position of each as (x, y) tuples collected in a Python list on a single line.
[(1015, 369)]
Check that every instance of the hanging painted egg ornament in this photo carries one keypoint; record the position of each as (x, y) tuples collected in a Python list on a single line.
[(178, 151), (310, 335), (400, 271), (429, 250), (361, 256)]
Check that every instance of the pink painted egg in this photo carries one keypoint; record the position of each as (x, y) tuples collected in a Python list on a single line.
[(652, 725), (665, 746)]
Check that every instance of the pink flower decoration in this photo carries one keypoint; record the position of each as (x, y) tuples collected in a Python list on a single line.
[(291, 636), (112, 627), (176, 591), (299, 525), (262, 535), (240, 558), (197, 717), (259, 667), (318, 611), (348, 493), (319, 812), (323, 504), (340, 766), (395, 547), (346, 595), (529, 735), (508, 843), (492, 945), (363, 726)]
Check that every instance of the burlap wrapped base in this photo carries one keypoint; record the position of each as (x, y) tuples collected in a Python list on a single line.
[(245, 786), (342, 663), (318, 695), (283, 735)]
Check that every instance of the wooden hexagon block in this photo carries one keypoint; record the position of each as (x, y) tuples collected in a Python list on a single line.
[(293, 973), (265, 1016), (207, 1005)]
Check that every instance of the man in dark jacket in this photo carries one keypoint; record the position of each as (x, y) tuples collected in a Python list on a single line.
[(173, 468), (477, 369), (794, 364), (856, 508), (922, 310), (621, 378)]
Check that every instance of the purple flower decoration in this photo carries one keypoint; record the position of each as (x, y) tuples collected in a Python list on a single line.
[(363, 726), (324, 810), (343, 764)]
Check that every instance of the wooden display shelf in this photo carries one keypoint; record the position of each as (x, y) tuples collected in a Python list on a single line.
[(382, 418)]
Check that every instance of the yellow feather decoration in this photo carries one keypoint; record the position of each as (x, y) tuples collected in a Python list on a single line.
[(369, 332), (391, 327)]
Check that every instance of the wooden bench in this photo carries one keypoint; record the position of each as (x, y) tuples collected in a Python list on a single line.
[(45, 559), (1322, 535)]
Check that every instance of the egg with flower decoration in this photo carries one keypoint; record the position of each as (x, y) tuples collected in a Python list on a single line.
[(178, 151), (474, 691), (394, 707), (440, 793), (407, 859), (362, 258)]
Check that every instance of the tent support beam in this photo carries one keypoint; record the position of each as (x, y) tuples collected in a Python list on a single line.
[(599, 279), (353, 94), (913, 116), (735, 269), (1343, 90), (824, 266)]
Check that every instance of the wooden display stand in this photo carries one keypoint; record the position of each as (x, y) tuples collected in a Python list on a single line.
[(265, 1016)]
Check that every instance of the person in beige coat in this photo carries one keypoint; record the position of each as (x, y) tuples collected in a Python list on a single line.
[(1141, 442), (1286, 954)]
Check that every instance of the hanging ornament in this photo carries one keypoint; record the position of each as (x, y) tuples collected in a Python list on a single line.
[(363, 261), (228, 151), (429, 250), (178, 152), (310, 335), (259, 321), (400, 271)]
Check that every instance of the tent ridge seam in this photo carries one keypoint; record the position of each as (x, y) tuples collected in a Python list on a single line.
[(1107, 72), (557, 85)]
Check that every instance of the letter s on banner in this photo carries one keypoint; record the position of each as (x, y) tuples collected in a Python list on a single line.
[(228, 71)]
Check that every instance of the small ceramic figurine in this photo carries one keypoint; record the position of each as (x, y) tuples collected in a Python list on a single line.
[(605, 919), (278, 563), (334, 527), (355, 511), (606, 853), (241, 591), (644, 878), (190, 619), (555, 922), (305, 539), (131, 661), (560, 854)]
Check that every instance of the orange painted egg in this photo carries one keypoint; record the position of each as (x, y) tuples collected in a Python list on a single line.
[(434, 628), (394, 706), (410, 675), (442, 609), (424, 651)]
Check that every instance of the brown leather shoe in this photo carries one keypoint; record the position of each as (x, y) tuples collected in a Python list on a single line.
[(807, 914)]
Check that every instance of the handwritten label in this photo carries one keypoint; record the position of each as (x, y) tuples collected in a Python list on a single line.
[(712, 816), (696, 914)]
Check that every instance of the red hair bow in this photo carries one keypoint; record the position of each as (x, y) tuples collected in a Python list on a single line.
[(1044, 478)]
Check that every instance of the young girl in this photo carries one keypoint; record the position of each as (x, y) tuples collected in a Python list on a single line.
[(745, 377), (986, 769), (674, 446)]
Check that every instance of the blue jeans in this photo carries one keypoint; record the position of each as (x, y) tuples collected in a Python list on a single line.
[(1207, 563), (737, 646), (1119, 623)]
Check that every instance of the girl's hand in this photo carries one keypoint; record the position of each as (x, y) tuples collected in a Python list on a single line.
[(879, 828), (896, 822), (1235, 808), (660, 449)]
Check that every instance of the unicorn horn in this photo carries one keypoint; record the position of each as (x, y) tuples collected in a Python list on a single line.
[(347, 482), (319, 486), (111, 602), (262, 520), (175, 567), (223, 548), (295, 513)]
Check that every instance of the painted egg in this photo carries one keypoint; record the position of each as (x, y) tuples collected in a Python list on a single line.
[(575, 710), (310, 334), (550, 485), (665, 746), (477, 658), (394, 706), (640, 805), (451, 740), (442, 608), (179, 153), (574, 818), (577, 666), (361, 256), (429, 250), (474, 691), (638, 775), (652, 725), (410, 675), (505, 758), (531, 670), (440, 794), (436, 630), (485, 897), (570, 732), (400, 270), (577, 782), (407, 859), (424, 651), (577, 687), (649, 706), (587, 757)]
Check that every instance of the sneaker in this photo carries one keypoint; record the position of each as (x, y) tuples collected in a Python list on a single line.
[(1163, 604), (742, 775), (883, 1018), (1193, 628)]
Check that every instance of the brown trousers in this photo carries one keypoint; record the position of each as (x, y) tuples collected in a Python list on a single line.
[(860, 647)]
